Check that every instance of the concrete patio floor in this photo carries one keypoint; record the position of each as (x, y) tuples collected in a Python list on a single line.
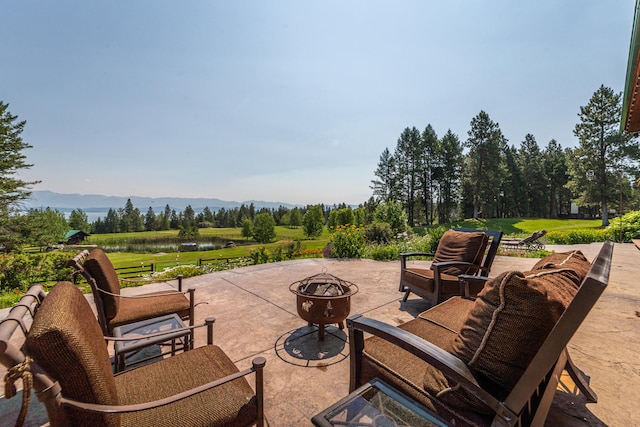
[(256, 316)]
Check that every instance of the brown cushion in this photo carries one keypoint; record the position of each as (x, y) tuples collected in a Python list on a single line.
[(449, 314), (574, 260), (404, 371), (231, 404), (148, 306), (100, 268), (67, 342), (461, 246), (510, 319)]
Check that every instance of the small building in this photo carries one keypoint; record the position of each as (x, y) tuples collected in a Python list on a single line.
[(74, 237)]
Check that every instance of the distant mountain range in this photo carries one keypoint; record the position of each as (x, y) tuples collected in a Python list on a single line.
[(98, 204)]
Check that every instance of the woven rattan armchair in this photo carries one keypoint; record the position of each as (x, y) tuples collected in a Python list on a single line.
[(67, 355), (115, 309), (492, 361), (460, 251)]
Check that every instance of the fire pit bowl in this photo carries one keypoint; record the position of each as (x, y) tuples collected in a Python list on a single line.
[(323, 299)]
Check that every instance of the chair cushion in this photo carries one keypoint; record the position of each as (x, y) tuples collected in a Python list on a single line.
[(404, 372), (231, 404), (512, 310), (574, 260), (461, 246), (449, 314), (100, 268), (67, 342), (147, 306)]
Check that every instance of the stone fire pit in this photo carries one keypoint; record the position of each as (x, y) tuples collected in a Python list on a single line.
[(323, 299)]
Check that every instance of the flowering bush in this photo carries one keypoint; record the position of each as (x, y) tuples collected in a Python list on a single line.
[(308, 253), (382, 253), (427, 243), (347, 241), (190, 270), (523, 253)]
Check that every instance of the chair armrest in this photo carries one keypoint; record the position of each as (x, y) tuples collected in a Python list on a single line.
[(169, 293), (404, 256), (445, 362), (179, 278), (464, 280), (258, 364)]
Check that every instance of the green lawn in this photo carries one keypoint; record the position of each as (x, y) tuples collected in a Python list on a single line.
[(516, 227), (510, 226), (285, 235), (519, 227)]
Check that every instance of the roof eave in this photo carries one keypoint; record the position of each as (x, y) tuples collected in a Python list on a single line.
[(631, 97)]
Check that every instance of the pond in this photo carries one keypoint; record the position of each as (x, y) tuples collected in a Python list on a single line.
[(156, 247)]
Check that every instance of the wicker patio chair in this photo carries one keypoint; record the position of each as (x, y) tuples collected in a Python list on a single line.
[(460, 251), (494, 361), (115, 309), (66, 353)]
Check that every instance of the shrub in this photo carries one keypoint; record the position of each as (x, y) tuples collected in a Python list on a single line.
[(629, 224), (574, 237), (18, 271), (382, 253), (379, 232), (394, 214), (347, 242), (260, 255), (278, 254), (292, 248), (434, 235)]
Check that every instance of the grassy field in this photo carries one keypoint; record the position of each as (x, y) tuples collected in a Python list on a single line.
[(516, 227), (285, 235), (511, 227)]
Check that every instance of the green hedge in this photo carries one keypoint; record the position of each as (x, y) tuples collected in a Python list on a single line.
[(629, 224), (574, 237), (18, 271)]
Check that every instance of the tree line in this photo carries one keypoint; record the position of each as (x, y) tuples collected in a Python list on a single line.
[(130, 219), (445, 179)]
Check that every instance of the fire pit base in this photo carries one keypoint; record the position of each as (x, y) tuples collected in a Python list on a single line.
[(321, 328), (323, 299)]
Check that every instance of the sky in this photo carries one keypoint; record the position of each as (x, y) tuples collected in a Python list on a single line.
[(288, 101)]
